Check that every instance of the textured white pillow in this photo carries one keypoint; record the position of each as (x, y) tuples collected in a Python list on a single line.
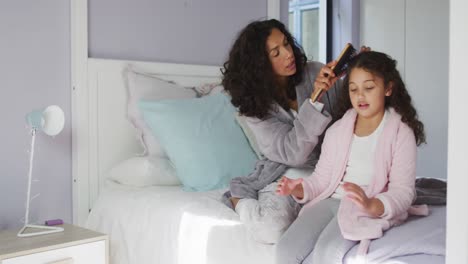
[(144, 86), (208, 89), (249, 135), (144, 171)]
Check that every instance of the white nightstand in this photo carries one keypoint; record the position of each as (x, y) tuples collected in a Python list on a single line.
[(75, 245)]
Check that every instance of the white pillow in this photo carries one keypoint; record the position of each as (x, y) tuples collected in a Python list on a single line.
[(249, 134), (144, 171), (145, 86), (208, 89)]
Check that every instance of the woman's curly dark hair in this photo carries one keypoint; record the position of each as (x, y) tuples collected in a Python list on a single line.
[(248, 74), (384, 66)]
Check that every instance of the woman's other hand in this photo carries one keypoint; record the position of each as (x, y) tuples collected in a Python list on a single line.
[(288, 186), (364, 49)]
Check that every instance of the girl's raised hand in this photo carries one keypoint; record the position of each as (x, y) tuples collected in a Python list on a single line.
[(286, 186)]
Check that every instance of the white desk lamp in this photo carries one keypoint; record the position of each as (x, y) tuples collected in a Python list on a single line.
[(51, 122)]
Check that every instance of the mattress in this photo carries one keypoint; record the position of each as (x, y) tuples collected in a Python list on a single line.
[(164, 224)]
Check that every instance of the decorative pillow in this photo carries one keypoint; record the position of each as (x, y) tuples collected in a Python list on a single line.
[(202, 139), (144, 171), (208, 89), (144, 86), (249, 134)]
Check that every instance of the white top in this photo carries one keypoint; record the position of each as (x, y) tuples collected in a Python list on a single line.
[(360, 167)]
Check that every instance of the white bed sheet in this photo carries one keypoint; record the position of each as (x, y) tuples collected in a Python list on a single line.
[(163, 224)]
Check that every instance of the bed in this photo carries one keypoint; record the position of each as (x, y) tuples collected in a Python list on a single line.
[(151, 223)]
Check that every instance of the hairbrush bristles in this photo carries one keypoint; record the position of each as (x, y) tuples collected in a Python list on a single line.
[(346, 55)]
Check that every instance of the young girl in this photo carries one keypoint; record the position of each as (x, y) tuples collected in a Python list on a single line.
[(364, 180)]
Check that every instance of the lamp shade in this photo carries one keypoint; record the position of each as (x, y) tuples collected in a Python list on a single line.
[(50, 120)]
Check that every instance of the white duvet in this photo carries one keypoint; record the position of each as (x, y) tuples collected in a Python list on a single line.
[(162, 224)]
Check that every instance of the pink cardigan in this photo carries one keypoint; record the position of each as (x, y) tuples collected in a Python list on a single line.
[(393, 183)]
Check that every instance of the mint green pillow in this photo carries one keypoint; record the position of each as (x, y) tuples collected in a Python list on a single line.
[(202, 139)]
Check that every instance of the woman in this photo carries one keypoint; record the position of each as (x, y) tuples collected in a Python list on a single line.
[(270, 82)]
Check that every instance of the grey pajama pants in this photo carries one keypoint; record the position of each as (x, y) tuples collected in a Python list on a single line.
[(314, 237), (267, 218)]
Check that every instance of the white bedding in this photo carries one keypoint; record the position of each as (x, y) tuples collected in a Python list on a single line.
[(163, 224)]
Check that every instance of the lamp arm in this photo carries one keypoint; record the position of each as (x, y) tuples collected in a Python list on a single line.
[(31, 156), (42, 230)]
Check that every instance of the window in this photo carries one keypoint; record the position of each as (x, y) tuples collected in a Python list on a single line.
[(307, 22)]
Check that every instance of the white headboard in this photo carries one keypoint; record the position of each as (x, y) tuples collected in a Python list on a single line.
[(103, 136)]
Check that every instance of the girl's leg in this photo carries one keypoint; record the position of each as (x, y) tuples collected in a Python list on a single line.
[(300, 239), (268, 217), (331, 247)]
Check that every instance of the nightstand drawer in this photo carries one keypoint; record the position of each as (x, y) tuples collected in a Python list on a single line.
[(88, 253)]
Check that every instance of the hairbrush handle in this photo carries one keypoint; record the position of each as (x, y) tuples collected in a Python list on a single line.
[(316, 95)]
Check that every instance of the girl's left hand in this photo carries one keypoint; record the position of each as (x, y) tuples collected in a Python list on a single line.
[(372, 206), (357, 195)]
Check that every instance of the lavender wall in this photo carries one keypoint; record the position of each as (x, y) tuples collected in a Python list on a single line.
[(34, 73), (178, 31)]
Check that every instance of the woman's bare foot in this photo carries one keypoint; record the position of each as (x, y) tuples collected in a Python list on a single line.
[(234, 201)]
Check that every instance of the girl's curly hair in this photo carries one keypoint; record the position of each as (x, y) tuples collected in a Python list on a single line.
[(384, 66), (248, 74)]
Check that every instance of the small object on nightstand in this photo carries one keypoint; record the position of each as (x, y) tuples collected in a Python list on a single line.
[(53, 222)]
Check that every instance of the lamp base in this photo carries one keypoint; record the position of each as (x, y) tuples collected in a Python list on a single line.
[(39, 230)]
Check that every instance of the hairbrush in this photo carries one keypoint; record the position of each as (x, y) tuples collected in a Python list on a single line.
[(346, 55)]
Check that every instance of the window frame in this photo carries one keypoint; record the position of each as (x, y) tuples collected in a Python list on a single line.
[(296, 7)]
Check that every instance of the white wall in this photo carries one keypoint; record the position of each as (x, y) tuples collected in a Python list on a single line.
[(415, 33), (426, 71), (383, 28), (345, 25), (457, 224)]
